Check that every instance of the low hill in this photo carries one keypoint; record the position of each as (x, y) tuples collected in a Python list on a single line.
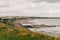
[(9, 33)]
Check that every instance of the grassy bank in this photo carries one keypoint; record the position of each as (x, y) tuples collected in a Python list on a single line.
[(9, 33)]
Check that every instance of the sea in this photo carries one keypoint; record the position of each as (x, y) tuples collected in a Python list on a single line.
[(48, 30)]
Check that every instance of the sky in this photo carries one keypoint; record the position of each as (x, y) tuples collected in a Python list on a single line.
[(37, 8)]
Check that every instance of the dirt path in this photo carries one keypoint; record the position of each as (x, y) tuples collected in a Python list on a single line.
[(19, 26), (17, 23)]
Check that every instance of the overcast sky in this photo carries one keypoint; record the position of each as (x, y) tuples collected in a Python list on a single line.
[(44, 8)]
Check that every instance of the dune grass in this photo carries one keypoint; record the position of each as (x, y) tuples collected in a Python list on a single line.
[(9, 33)]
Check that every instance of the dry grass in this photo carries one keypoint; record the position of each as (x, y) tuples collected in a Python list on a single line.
[(8, 33)]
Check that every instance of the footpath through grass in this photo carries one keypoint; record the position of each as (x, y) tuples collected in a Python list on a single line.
[(9, 33)]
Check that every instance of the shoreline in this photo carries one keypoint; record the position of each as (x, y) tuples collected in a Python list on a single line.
[(45, 32)]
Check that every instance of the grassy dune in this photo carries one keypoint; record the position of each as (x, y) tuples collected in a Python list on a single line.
[(9, 33)]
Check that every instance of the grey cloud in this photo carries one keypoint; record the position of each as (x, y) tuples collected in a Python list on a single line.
[(51, 1), (25, 8)]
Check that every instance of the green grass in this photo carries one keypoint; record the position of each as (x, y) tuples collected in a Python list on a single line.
[(9, 33), (11, 24)]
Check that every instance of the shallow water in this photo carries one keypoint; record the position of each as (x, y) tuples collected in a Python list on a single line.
[(47, 21), (52, 30)]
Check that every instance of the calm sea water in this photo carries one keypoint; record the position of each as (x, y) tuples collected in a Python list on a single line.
[(47, 21), (52, 30), (48, 30)]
